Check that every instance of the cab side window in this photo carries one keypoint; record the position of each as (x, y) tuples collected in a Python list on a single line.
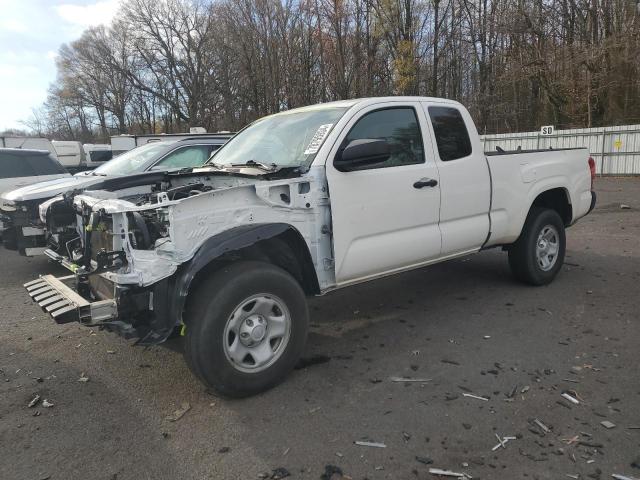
[(451, 133), (399, 127), (191, 156)]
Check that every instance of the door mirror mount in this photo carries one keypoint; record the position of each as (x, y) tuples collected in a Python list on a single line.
[(362, 153)]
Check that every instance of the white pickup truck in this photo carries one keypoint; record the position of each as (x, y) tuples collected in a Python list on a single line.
[(301, 203)]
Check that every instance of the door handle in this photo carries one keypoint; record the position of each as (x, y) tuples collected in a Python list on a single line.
[(425, 182)]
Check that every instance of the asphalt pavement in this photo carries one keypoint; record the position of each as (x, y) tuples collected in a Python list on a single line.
[(495, 356)]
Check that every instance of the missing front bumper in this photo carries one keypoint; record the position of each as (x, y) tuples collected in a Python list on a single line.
[(58, 299)]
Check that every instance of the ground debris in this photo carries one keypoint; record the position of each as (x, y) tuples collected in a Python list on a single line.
[(179, 413), (34, 401), (83, 378), (536, 422), (622, 477), (47, 404), (470, 395), (370, 444), (450, 362), (513, 392), (624, 206), (571, 398), (590, 444), (607, 424), (409, 380), (502, 442), (425, 460), (445, 473)]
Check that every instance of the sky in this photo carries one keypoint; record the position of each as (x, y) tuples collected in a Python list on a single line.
[(31, 32)]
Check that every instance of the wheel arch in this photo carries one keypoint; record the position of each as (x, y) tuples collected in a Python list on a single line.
[(557, 199), (280, 244)]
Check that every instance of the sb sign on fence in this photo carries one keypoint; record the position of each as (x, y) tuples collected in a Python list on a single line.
[(546, 130)]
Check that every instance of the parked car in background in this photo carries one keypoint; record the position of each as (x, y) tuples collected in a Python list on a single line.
[(21, 167), (26, 231), (302, 203)]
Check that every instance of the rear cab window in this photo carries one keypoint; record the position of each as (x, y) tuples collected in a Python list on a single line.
[(450, 130)]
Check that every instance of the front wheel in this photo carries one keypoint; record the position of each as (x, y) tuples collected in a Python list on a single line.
[(538, 254), (246, 328)]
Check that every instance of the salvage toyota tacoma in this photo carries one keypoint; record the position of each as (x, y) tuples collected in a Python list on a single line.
[(301, 203)]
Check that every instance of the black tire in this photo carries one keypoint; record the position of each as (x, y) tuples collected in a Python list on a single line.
[(522, 254), (211, 307)]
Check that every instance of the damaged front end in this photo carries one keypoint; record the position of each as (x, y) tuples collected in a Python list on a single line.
[(132, 249), (88, 296), (103, 290)]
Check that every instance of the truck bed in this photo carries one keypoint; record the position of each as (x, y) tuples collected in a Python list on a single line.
[(518, 177)]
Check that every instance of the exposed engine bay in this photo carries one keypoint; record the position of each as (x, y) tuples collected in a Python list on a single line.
[(74, 224), (159, 220)]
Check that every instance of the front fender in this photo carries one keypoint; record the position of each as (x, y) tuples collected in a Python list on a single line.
[(170, 295)]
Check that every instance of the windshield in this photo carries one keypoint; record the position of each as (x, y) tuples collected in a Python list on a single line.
[(133, 161), (288, 139)]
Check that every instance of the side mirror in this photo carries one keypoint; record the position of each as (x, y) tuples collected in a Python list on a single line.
[(362, 153)]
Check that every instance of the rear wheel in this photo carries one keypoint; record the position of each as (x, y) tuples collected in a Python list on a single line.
[(538, 254), (245, 328)]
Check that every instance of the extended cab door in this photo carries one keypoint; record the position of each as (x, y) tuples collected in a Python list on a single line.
[(384, 212), (465, 182)]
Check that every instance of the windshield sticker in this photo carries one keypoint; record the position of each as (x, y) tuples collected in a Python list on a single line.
[(318, 138)]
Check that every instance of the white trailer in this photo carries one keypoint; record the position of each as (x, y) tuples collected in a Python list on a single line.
[(76, 157), (124, 143), (97, 153), (70, 154), (28, 143)]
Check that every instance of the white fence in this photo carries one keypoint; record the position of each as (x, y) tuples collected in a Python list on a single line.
[(616, 150)]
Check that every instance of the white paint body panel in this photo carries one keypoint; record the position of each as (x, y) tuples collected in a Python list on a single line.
[(380, 222), (514, 189), (365, 224), (465, 186)]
